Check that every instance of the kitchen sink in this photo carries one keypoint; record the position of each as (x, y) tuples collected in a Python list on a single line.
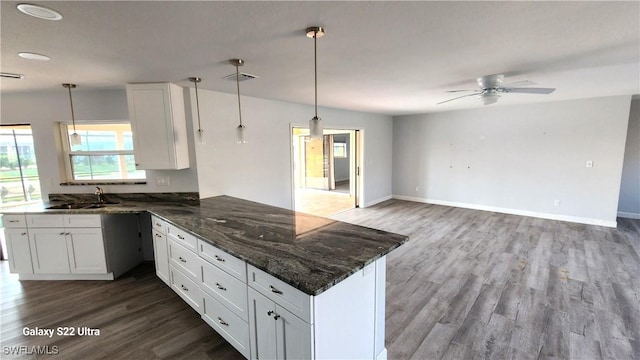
[(71, 206)]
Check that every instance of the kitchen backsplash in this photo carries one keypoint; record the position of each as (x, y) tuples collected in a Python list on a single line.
[(182, 197)]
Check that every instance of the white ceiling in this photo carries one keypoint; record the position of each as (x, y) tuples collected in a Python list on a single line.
[(383, 57)]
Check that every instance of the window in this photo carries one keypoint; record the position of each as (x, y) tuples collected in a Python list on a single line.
[(19, 181), (106, 153), (339, 150)]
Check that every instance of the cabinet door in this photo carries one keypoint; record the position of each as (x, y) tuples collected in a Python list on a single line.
[(161, 256), (157, 116), (86, 251), (293, 336), (49, 251), (262, 326), (19, 252)]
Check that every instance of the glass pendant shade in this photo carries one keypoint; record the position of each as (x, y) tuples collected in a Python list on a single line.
[(315, 128), (240, 134), (75, 139), (201, 139)]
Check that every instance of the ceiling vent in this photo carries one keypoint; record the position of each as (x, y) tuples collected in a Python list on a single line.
[(243, 77)]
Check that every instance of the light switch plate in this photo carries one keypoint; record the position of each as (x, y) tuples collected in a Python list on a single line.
[(163, 180), (589, 163)]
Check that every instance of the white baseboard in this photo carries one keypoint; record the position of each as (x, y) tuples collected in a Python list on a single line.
[(108, 276), (377, 201), (628, 215), (535, 214)]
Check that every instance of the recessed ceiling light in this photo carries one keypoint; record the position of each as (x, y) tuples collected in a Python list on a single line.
[(40, 12), (11, 75), (33, 56)]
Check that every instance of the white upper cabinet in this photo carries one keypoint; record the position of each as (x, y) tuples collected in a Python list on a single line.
[(158, 123)]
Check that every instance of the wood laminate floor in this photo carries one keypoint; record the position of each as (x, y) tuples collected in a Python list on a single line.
[(481, 285), (468, 285)]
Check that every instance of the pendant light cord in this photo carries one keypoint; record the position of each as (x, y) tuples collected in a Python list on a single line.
[(238, 88), (73, 117), (195, 82), (315, 67)]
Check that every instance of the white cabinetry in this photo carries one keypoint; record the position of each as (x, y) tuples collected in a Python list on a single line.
[(158, 123), (67, 247), (277, 333), (160, 249), (17, 244)]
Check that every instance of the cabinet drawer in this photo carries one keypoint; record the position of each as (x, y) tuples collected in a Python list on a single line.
[(84, 221), (159, 225), (227, 324), (182, 237), (187, 289), (228, 290), (231, 264), (43, 221), (185, 261), (281, 293), (14, 221)]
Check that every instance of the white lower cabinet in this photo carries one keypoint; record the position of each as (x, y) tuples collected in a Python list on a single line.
[(188, 290), (85, 247), (19, 251), (161, 256), (275, 332), (234, 329), (49, 251)]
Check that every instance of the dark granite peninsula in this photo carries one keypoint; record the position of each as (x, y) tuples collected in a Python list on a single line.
[(308, 252), (239, 264)]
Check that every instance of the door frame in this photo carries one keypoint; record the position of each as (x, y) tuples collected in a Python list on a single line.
[(357, 173)]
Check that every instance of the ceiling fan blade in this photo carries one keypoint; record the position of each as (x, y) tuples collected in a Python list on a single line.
[(519, 84), (531, 90), (453, 91), (456, 98)]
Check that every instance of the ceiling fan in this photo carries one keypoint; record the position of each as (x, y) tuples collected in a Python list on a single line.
[(491, 87)]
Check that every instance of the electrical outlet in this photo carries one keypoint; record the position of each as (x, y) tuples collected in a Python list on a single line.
[(417, 189), (589, 163), (556, 202), (162, 180)]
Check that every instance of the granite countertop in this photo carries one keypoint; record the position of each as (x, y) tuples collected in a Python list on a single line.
[(308, 252)]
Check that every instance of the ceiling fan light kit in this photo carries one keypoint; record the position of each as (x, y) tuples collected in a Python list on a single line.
[(491, 86)]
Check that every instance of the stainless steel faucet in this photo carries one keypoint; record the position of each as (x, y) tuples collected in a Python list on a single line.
[(100, 194)]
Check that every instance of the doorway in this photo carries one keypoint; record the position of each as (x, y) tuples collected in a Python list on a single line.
[(326, 171)]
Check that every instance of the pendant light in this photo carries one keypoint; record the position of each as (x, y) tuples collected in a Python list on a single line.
[(75, 138), (315, 124), (195, 81), (240, 130)]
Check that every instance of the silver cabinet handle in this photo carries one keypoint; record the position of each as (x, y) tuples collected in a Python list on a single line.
[(221, 287), (275, 316), (158, 235), (218, 258), (158, 224), (180, 237), (24, 233), (181, 259), (222, 322), (273, 289), (14, 221), (184, 287), (62, 234)]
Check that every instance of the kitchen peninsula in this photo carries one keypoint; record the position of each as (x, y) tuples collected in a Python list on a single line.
[(273, 282)]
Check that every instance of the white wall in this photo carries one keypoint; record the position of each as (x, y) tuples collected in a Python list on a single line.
[(517, 159), (261, 169), (629, 203), (43, 109)]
